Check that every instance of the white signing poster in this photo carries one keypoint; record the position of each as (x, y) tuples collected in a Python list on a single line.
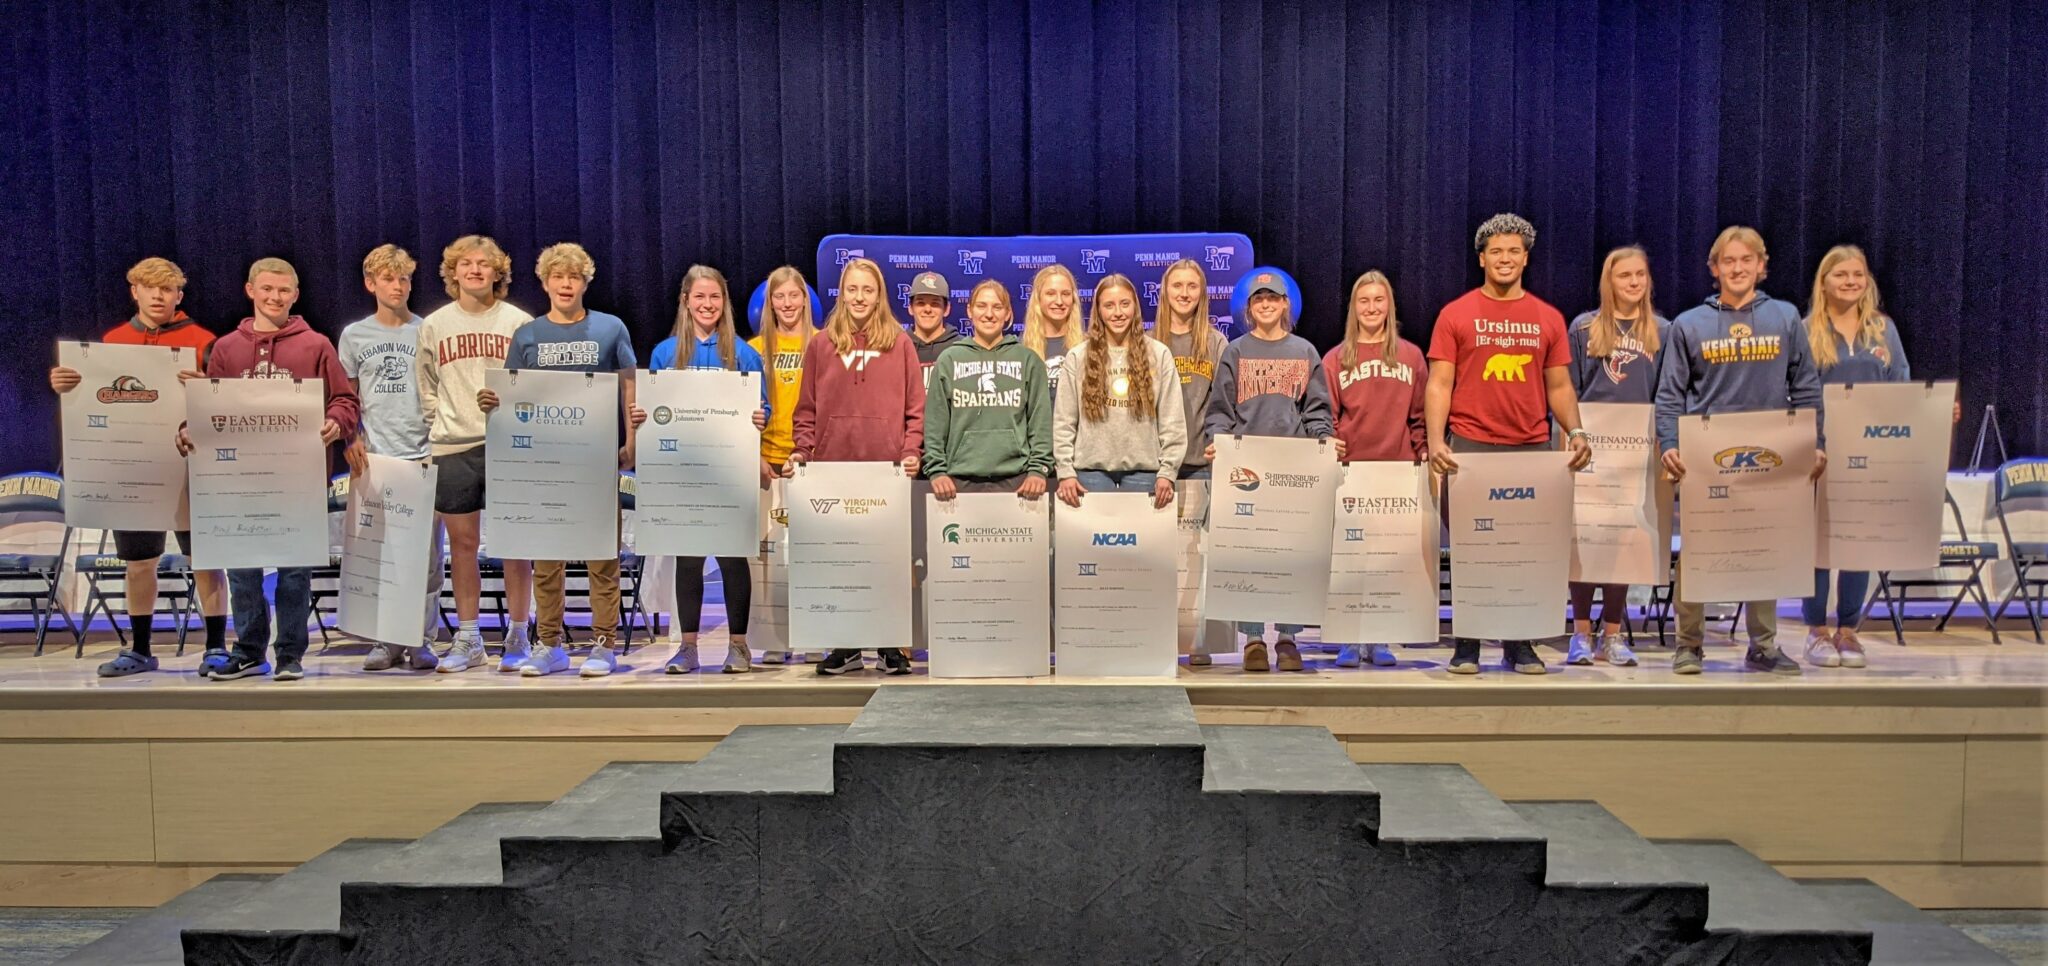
[(699, 463), (849, 556), (988, 593), (768, 623), (1113, 566), (553, 466), (1383, 556), (387, 541), (258, 473), (1198, 635), (1511, 544), (1745, 506), (122, 470), (1269, 526), (1621, 502), (1881, 497)]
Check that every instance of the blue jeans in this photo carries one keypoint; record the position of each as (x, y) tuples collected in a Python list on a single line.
[(1201, 472), (1258, 631), (252, 612), (1109, 481), (1848, 602)]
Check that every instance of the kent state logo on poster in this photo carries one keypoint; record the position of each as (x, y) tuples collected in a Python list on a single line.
[(1748, 459), (1014, 260), (541, 414)]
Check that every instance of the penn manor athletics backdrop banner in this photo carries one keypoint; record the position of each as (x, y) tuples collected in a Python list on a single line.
[(1013, 260)]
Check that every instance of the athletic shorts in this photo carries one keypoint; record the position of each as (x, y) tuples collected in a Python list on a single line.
[(460, 486), (147, 544)]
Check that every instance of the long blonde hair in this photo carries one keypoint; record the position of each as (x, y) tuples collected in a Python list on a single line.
[(786, 275), (1201, 332), (1605, 329), (882, 327), (1871, 323), (1034, 313), (1390, 343), (686, 329), (1138, 357)]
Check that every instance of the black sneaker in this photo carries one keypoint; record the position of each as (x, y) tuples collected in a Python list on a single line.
[(1465, 659), (288, 671), (841, 661), (895, 660), (237, 666), (1520, 657), (1772, 661)]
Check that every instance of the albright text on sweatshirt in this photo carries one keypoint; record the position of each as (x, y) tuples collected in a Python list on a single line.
[(456, 348), (1728, 360), (859, 405), (988, 412), (1378, 403)]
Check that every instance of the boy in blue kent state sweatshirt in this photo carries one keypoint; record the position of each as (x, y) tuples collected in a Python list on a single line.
[(1741, 351)]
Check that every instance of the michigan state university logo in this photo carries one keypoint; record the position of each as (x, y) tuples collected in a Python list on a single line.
[(952, 533)]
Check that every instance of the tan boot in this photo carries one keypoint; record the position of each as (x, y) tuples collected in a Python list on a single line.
[(1255, 656), (1289, 657)]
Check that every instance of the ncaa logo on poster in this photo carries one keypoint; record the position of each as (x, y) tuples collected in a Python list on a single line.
[(1887, 432), (1093, 260), (669, 446), (1116, 540), (1511, 493), (522, 442), (224, 455), (970, 261), (841, 256), (1218, 256)]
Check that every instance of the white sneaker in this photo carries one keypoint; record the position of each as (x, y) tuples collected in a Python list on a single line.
[(738, 659), (544, 660), (421, 657), (684, 660), (517, 650), (467, 651), (1581, 650), (380, 658), (775, 657), (1614, 650), (1850, 648), (1820, 648), (600, 660)]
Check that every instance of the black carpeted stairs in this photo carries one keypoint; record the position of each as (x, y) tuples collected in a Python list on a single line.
[(1038, 825)]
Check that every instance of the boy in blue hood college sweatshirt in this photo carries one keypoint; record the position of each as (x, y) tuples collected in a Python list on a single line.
[(1741, 351)]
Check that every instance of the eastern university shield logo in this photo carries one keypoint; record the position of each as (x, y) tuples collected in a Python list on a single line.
[(220, 424)]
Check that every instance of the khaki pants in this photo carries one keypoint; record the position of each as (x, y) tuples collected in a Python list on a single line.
[(1760, 615), (549, 576)]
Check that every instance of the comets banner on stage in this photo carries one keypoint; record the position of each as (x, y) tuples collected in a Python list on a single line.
[(387, 542), (987, 590), (1621, 502), (553, 474), (258, 473), (1746, 506), (1269, 526), (1511, 544), (1881, 497), (1383, 556), (699, 463), (1113, 587), (122, 470), (849, 556)]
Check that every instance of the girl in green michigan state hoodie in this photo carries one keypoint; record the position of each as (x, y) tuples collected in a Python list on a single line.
[(988, 410)]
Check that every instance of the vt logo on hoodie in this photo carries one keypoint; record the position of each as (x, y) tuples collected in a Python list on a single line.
[(857, 359)]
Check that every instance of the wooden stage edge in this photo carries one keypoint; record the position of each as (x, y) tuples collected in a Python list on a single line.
[(1927, 772)]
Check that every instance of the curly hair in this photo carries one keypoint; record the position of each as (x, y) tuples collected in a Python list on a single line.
[(1137, 357), (500, 262), (389, 258), (1505, 223), (565, 257)]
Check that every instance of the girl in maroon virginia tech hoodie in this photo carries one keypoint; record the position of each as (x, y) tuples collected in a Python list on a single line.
[(863, 392), (294, 351)]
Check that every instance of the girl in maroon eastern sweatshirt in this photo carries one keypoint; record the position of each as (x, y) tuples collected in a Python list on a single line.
[(1376, 382), (862, 400)]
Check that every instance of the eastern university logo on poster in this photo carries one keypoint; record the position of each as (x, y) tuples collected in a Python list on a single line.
[(1748, 459), (1244, 478), (126, 389)]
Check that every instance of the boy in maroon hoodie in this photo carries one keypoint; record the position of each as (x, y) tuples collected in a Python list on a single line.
[(275, 344), (862, 400)]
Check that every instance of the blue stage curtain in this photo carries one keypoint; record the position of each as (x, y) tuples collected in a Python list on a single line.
[(1340, 136)]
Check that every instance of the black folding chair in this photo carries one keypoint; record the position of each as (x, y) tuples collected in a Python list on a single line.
[(34, 503), (2022, 485), (326, 580), (106, 581), (1971, 555)]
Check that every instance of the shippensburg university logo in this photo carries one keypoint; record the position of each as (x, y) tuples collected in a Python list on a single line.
[(1218, 256), (970, 261), (1093, 260), (1244, 478), (126, 389), (1748, 459)]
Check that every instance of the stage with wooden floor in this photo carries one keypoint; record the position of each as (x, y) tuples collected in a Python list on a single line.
[(1924, 772)]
